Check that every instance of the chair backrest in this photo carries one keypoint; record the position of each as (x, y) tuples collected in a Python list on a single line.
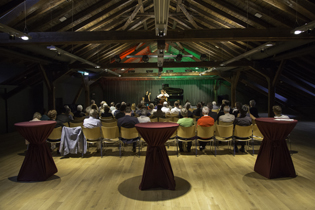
[(128, 133), (92, 133), (215, 110), (174, 134), (225, 123), (205, 132), (164, 119), (66, 124), (76, 124), (175, 119), (110, 132), (55, 134), (224, 131), (79, 119), (256, 131), (154, 119), (186, 132), (109, 124), (243, 131), (106, 118)]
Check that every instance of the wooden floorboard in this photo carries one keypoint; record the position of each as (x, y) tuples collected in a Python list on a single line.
[(203, 182)]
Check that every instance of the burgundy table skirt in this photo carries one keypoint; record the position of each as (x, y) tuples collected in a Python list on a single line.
[(38, 164), (274, 160), (157, 170)]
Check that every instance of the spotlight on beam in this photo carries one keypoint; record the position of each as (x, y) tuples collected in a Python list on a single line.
[(117, 59), (203, 57), (179, 58), (145, 58)]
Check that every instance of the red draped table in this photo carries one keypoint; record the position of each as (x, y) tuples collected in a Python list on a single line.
[(38, 164), (157, 170), (274, 159)]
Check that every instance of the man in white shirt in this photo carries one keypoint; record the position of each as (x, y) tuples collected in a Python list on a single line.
[(165, 109), (227, 117), (176, 108), (278, 112), (163, 94), (93, 122)]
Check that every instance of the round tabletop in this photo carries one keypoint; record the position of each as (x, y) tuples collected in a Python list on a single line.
[(35, 123), (275, 120), (157, 125)]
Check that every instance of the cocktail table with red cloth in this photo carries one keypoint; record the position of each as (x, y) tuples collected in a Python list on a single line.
[(38, 164), (157, 170), (274, 160)]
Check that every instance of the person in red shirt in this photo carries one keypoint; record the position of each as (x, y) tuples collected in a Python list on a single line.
[(205, 121)]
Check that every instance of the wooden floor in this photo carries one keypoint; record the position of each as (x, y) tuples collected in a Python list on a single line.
[(203, 182)]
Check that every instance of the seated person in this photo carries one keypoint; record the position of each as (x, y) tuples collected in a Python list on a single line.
[(227, 117), (198, 111), (243, 120), (64, 116), (278, 112), (236, 110), (212, 114), (106, 112), (185, 122), (214, 104), (176, 108), (79, 113), (187, 107), (165, 108), (253, 110), (121, 112), (128, 122), (151, 109), (70, 112), (44, 115), (159, 112), (52, 114), (36, 117), (143, 117), (117, 109), (139, 107), (205, 121), (112, 107), (93, 122)]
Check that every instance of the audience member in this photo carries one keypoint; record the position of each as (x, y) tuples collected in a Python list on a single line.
[(227, 117), (278, 112), (128, 122), (121, 112), (44, 115), (64, 116), (52, 114), (79, 113), (185, 122), (214, 104), (176, 108), (159, 112), (165, 108), (112, 107), (198, 111), (253, 110), (205, 121), (117, 109), (243, 120), (93, 122), (88, 109), (212, 114), (143, 117), (106, 112), (238, 106)]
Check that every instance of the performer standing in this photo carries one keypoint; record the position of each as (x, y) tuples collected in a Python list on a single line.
[(147, 98), (163, 96)]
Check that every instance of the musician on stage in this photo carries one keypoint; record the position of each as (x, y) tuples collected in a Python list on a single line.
[(163, 95), (147, 98)]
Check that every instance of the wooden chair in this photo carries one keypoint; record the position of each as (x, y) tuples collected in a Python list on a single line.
[(186, 134), (225, 123), (110, 134), (243, 133), (171, 139), (205, 134), (154, 119), (106, 118), (175, 119), (109, 124), (257, 135), (128, 134), (66, 124), (93, 135), (223, 133), (55, 137), (76, 124), (164, 119), (79, 119)]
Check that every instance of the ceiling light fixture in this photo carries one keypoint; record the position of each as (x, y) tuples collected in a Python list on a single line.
[(179, 58), (301, 29), (14, 33)]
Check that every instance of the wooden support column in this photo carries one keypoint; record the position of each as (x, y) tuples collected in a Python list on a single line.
[(272, 84), (234, 82), (51, 89), (78, 95)]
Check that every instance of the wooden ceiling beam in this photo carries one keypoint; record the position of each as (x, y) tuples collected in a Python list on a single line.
[(165, 65), (58, 38)]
